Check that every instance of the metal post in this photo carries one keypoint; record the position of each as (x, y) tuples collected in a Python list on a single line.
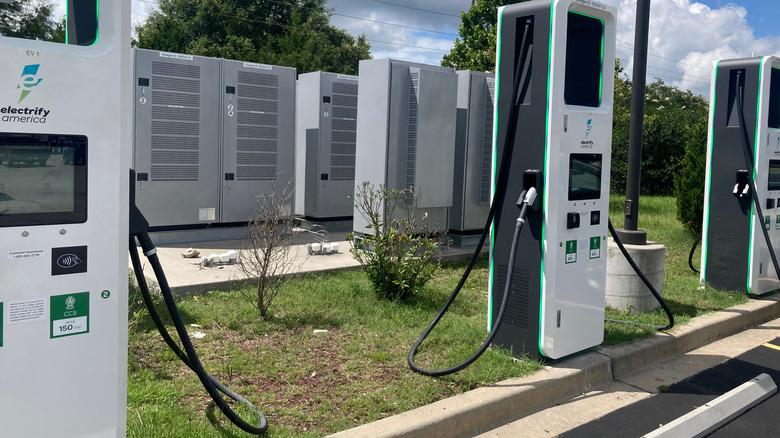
[(629, 234)]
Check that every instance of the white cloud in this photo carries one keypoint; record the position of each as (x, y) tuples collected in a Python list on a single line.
[(389, 41), (686, 37)]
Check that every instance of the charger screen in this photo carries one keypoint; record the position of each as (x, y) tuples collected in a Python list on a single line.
[(774, 175), (584, 58), (43, 179), (584, 176)]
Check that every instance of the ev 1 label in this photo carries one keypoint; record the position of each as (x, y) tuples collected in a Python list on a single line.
[(69, 314)]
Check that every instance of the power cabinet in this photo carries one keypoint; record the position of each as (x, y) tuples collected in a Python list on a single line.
[(406, 134), (257, 137), (326, 135), (473, 152), (176, 141)]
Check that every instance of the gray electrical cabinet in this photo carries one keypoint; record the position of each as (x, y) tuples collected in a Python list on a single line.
[(326, 127), (258, 136), (176, 137), (473, 152), (406, 134)]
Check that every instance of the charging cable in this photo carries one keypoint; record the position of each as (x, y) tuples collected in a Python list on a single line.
[(647, 283), (526, 198), (496, 205), (138, 230), (690, 255)]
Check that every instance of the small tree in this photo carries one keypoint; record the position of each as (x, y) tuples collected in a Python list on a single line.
[(689, 183), (268, 253), (403, 253)]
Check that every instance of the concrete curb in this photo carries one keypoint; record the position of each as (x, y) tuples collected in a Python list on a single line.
[(629, 358), (487, 408), (484, 408)]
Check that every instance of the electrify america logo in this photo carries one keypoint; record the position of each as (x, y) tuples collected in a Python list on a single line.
[(15, 114), (587, 144), (29, 80)]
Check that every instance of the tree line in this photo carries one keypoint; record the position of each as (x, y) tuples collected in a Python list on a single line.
[(298, 33)]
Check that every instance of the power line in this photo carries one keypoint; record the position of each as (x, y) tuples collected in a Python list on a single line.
[(670, 77), (342, 15), (668, 59), (409, 45), (285, 26), (665, 69), (417, 9), (394, 24)]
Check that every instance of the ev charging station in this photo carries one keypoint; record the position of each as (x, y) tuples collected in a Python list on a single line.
[(65, 143), (562, 147), (743, 145)]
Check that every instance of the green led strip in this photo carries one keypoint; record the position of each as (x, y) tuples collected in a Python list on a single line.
[(709, 182), (495, 150), (546, 171)]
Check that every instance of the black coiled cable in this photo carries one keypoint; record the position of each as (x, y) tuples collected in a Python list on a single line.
[(498, 197), (189, 356)]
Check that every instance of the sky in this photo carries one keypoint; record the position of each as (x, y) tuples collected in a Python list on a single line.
[(686, 36)]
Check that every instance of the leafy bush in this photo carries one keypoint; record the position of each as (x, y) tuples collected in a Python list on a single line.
[(671, 117), (689, 183), (403, 253)]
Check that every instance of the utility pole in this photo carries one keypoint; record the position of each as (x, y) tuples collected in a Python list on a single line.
[(629, 233)]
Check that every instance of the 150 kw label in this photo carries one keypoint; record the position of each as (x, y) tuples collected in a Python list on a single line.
[(69, 314)]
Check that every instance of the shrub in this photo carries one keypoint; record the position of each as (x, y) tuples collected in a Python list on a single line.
[(689, 183), (267, 258), (403, 253)]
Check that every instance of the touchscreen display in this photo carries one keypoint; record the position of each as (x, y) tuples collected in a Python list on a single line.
[(774, 175), (584, 176), (43, 179)]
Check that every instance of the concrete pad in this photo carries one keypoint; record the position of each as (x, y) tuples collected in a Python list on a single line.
[(186, 276)]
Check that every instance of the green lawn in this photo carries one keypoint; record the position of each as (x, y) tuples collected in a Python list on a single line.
[(311, 384)]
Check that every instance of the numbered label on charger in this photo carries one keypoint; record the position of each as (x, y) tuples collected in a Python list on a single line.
[(69, 314), (571, 251), (595, 247)]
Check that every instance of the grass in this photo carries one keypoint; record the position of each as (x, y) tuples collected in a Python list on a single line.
[(686, 297), (311, 384)]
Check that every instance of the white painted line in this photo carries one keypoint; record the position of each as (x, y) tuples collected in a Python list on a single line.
[(713, 415)]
